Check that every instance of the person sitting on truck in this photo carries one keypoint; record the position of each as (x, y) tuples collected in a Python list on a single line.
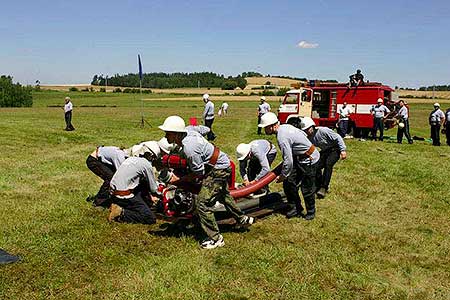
[(379, 111), (344, 111), (255, 160), (332, 147), (356, 79)]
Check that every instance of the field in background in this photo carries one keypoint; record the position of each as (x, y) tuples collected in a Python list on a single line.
[(381, 234)]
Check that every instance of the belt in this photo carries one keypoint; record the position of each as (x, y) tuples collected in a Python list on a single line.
[(307, 153), (122, 193), (214, 156)]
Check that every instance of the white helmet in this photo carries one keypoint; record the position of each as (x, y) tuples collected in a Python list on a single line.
[(263, 98), (380, 100), (136, 150), (205, 97), (242, 151), (306, 123), (165, 146), (151, 146), (173, 124), (436, 105), (401, 125), (268, 119)]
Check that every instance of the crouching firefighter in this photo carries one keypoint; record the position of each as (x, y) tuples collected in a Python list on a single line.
[(300, 159), (210, 166), (104, 162), (332, 147), (255, 160), (132, 187)]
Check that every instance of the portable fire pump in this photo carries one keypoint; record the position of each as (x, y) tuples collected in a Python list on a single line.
[(177, 200)]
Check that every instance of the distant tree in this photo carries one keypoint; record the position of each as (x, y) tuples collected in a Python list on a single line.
[(14, 95), (267, 83)]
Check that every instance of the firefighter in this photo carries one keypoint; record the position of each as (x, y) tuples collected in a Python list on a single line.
[(332, 147), (255, 160), (131, 188), (208, 116), (436, 119), (263, 108), (344, 112), (300, 159), (104, 162), (203, 130), (403, 125), (211, 167), (447, 126), (356, 79), (378, 111)]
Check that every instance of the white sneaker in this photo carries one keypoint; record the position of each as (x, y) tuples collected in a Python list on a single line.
[(246, 220), (211, 244)]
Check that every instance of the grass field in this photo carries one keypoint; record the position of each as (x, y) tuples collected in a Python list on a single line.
[(382, 233)]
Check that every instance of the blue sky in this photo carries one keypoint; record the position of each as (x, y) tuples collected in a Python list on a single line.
[(404, 43)]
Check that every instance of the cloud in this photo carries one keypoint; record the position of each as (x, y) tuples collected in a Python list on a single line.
[(306, 45)]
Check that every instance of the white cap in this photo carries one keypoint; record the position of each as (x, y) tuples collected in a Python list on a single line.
[(165, 146), (205, 96), (268, 119), (173, 124), (437, 104), (306, 123), (151, 146), (379, 100), (67, 98), (263, 98), (242, 151)]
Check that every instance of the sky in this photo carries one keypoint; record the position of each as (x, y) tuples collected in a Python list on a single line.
[(400, 43)]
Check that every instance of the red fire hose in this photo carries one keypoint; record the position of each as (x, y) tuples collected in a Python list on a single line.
[(247, 190)]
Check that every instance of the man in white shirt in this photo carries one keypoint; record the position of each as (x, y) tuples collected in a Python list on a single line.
[(344, 112), (68, 114), (263, 108), (208, 116)]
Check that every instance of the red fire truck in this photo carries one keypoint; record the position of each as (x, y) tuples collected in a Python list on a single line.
[(321, 101)]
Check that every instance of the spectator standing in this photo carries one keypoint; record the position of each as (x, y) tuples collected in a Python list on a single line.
[(263, 108), (378, 111), (436, 119), (68, 114)]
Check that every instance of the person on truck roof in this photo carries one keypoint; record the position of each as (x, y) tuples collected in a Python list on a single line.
[(356, 79)]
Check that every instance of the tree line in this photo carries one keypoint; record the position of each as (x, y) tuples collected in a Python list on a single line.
[(172, 80), (14, 95), (435, 87)]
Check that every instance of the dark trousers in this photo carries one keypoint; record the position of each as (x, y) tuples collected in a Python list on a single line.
[(259, 121), (436, 134), (210, 135), (404, 130), (105, 172), (68, 118), (328, 158), (305, 175), (343, 127), (254, 167), (377, 125), (447, 133), (135, 210)]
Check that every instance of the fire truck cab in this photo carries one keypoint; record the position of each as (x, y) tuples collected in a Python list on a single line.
[(322, 101)]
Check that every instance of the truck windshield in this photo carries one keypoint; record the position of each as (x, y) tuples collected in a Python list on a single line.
[(291, 99)]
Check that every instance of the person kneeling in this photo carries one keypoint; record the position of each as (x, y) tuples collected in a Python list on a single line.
[(131, 184)]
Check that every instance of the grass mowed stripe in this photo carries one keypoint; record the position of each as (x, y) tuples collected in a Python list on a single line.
[(382, 233)]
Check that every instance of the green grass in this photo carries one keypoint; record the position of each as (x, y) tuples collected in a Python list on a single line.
[(383, 232)]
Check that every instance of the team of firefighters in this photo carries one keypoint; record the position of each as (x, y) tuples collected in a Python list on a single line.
[(130, 185)]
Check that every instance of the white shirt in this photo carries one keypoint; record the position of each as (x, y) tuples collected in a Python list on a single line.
[(68, 107), (344, 112), (263, 108), (224, 106)]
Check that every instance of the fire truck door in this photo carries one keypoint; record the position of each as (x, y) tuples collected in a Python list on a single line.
[(305, 107)]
